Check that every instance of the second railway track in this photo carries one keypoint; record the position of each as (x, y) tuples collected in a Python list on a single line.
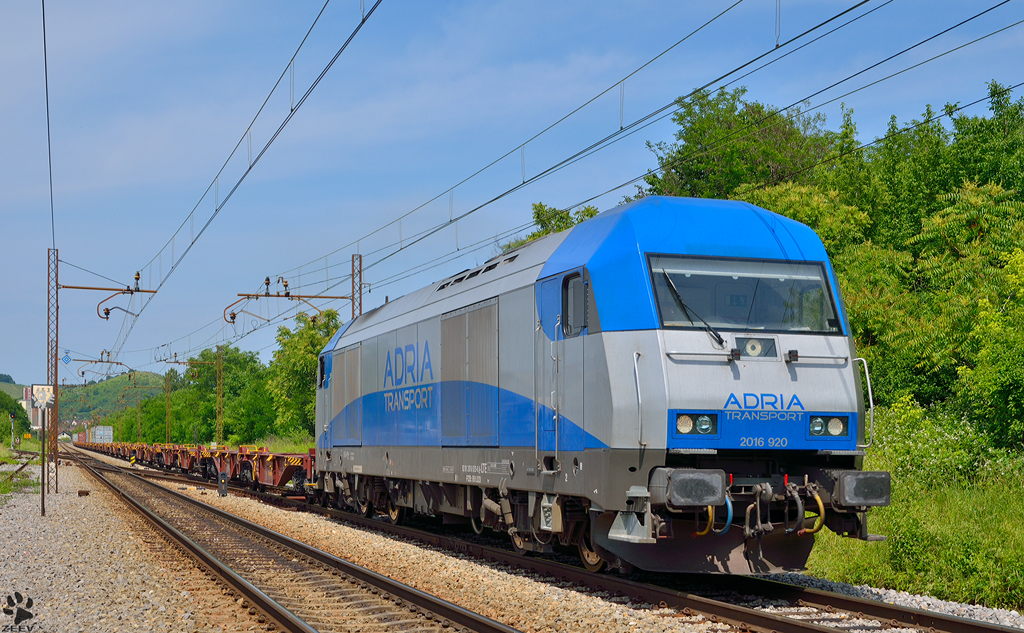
[(293, 586)]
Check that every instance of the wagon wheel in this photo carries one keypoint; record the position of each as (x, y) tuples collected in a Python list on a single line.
[(592, 561), (364, 505), (396, 513)]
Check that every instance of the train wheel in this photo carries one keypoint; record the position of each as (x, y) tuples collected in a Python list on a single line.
[(364, 506), (592, 561), (396, 513)]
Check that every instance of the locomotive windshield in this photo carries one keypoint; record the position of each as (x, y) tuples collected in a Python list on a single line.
[(743, 294)]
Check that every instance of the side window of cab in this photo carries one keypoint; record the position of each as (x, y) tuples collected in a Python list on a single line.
[(574, 305)]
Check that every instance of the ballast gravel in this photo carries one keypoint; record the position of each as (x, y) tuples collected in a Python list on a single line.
[(517, 599), (1004, 617), (91, 564)]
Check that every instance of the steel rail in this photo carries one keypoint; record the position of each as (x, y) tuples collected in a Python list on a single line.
[(427, 604), (885, 613), (278, 615)]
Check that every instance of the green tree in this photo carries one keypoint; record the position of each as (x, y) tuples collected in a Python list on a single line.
[(991, 149), (551, 220), (724, 141), (292, 372), (9, 405), (992, 388), (962, 252), (913, 166)]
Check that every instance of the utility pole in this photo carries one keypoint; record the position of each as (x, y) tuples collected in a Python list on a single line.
[(49, 465), (52, 321), (357, 285)]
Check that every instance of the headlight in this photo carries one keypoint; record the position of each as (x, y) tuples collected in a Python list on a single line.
[(696, 423), (684, 424), (753, 347), (835, 426), (704, 424), (817, 426)]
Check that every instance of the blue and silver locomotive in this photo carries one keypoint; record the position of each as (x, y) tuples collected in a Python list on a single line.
[(672, 368)]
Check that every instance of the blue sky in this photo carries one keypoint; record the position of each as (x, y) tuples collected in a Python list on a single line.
[(148, 100)]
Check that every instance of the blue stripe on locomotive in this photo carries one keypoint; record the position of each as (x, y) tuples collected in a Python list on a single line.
[(412, 417)]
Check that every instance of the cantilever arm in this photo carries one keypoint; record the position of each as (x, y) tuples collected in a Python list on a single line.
[(107, 317), (232, 320)]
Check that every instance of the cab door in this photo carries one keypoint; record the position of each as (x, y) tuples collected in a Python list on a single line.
[(546, 355)]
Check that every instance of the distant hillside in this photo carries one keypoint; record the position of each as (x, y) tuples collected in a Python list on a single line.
[(78, 402), (14, 391)]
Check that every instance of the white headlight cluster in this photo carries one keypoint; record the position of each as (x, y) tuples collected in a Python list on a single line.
[(696, 424), (834, 426)]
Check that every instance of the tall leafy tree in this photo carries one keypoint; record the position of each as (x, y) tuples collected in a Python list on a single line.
[(9, 405), (725, 141), (292, 372), (552, 220), (991, 149)]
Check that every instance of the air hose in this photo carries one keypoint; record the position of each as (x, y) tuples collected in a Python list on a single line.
[(820, 521), (728, 514), (711, 520)]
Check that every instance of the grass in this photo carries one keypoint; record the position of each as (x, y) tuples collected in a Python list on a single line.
[(21, 482), (953, 529)]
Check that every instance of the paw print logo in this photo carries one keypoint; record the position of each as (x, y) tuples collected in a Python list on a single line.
[(13, 607)]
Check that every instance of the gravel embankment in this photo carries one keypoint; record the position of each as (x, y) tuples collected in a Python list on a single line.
[(1004, 617), (513, 598), (91, 564)]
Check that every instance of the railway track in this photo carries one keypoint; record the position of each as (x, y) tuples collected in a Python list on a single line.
[(288, 585), (736, 601)]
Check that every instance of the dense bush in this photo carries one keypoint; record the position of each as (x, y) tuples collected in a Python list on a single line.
[(953, 527)]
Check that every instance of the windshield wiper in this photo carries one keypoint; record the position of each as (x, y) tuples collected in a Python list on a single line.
[(687, 311)]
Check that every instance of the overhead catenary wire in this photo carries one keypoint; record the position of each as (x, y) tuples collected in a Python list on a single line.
[(404, 245), (129, 321), (430, 231), (520, 146), (49, 151), (594, 146), (683, 159), (623, 132), (85, 270), (581, 203), (906, 129)]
